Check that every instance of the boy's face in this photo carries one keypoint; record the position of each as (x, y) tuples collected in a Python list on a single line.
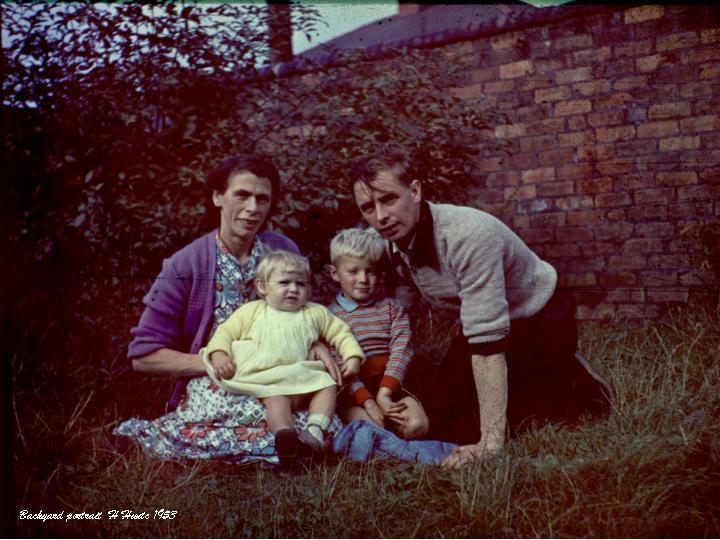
[(285, 290), (358, 278)]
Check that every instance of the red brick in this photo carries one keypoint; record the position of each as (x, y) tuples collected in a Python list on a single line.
[(587, 264), (504, 178), (519, 193), (711, 140), (657, 129), (654, 229), (700, 55), (548, 220), (596, 152), (694, 208), (647, 212), (585, 279), (564, 76), (633, 181), (576, 139), (522, 161), (613, 69), (693, 278), (608, 118), (710, 71), (591, 56), (547, 66), (593, 186), (554, 189), (551, 125), (591, 88), (636, 148), (630, 83), (677, 41), (626, 295), (668, 295), (497, 87), (658, 278), (576, 123), (616, 214), (643, 245), (617, 279), (600, 312), (598, 248), (537, 236), (627, 262), (586, 217), (560, 155), (562, 250), (516, 69), (578, 106), (490, 164), (670, 261), (510, 130), (613, 134), (697, 124), (574, 171), (546, 174), (574, 42), (613, 100), (470, 91), (654, 196), (643, 13), (692, 90), (606, 200), (521, 222), (614, 167), (668, 110), (677, 178), (573, 203), (634, 48), (538, 143), (574, 234), (482, 75), (638, 311), (679, 143), (698, 192), (711, 35), (529, 85), (710, 176), (557, 93), (503, 41)]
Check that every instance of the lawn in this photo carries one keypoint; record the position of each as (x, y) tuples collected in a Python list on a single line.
[(651, 470)]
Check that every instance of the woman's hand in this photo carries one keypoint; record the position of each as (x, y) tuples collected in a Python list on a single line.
[(320, 353), (373, 411), (392, 410), (223, 364), (351, 366)]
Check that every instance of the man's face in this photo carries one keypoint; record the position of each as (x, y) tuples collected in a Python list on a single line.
[(244, 206), (389, 206)]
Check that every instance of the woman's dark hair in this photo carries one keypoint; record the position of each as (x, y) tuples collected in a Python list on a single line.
[(219, 177)]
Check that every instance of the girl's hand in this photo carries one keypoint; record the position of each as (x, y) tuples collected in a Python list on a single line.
[(351, 366), (223, 365), (392, 410), (374, 412)]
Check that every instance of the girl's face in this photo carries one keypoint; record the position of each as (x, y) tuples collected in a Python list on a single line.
[(285, 290)]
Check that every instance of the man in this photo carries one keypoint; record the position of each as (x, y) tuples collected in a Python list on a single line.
[(520, 340)]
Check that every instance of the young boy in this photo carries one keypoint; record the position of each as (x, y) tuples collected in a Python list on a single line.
[(382, 328)]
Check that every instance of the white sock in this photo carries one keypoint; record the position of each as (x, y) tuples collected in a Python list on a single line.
[(316, 424)]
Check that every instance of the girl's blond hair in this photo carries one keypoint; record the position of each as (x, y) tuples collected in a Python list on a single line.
[(284, 261), (360, 243)]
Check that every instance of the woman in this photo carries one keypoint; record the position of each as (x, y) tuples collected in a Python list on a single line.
[(197, 289)]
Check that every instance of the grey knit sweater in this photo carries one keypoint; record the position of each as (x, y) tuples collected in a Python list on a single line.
[(470, 263)]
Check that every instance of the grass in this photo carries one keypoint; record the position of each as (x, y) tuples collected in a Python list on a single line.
[(651, 470)]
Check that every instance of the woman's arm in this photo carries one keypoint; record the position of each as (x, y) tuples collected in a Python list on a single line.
[(170, 362)]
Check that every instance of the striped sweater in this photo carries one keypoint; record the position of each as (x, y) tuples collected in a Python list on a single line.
[(383, 330)]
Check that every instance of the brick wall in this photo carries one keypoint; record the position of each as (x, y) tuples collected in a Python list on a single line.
[(612, 114)]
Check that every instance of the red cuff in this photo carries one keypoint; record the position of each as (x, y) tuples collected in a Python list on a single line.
[(390, 382), (361, 395)]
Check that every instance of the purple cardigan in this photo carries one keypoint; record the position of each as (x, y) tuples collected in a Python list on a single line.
[(179, 307)]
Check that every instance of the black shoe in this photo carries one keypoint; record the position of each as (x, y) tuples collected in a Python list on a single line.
[(287, 445), (598, 397)]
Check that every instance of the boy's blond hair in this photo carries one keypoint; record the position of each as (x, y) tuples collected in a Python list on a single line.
[(360, 243), (285, 261)]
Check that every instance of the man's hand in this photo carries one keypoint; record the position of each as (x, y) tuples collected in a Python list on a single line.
[(392, 410), (373, 411), (223, 365), (351, 367), (320, 353)]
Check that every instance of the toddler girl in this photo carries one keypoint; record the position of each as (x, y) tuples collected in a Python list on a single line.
[(262, 348)]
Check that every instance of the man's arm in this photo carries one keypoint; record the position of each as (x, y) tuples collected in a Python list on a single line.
[(490, 374)]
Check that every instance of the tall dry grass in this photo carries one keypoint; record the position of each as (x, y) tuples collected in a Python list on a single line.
[(651, 470)]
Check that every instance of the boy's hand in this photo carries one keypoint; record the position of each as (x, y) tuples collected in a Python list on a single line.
[(223, 365), (351, 366), (374, 412), (392, 410)]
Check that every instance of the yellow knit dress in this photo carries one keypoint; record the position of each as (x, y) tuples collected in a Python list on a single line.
[(270, 349)]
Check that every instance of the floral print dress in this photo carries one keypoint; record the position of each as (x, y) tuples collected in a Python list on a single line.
[(210, 422)]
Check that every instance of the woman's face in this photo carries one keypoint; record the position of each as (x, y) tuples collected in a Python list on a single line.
[(244, 206)]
